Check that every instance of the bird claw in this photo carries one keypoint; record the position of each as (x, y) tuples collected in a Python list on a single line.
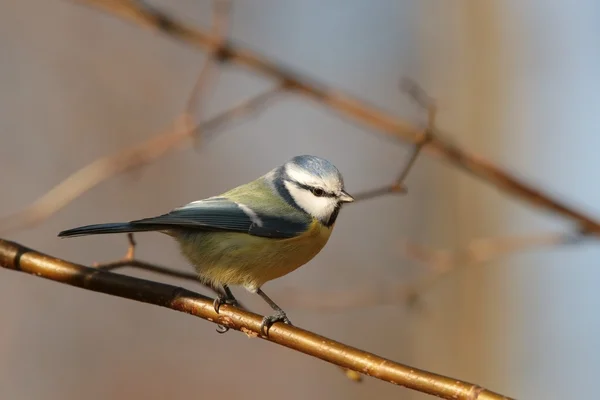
[(268, 321), (220, 300)]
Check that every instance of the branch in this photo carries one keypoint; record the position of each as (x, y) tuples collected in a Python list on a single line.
[(485, 249), (333, 301), (357, 110), (127, 159), (398, 185), (19, 258), (130, 261), (220, 24), (440, 262), (444, 262)]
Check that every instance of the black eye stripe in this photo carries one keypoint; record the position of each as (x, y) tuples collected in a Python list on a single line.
[(310, 188)]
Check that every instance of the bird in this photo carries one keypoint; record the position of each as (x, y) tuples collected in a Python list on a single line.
[(253, 233)]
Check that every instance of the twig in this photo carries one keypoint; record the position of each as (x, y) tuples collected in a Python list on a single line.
[(440, 263), (127, 159), (130, 255), (221, 14), (398, 185), (485, 249), (363, 297), (348, 106), (201, 85), (221, 10), (16, 257), (150, 267), (443, 262), (130, 261)]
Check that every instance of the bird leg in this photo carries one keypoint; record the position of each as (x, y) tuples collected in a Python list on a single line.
[(226, 298), (279, 315)]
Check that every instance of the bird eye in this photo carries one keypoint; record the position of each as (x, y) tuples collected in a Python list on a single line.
[(318, 192)]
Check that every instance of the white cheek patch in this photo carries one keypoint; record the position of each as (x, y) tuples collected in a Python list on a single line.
[(319, 207)]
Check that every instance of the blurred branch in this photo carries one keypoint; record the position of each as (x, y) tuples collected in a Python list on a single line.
[(359, 111), (365, 296), (130, 261), (443, 262), (19, 258), (221, 16), (362, 297), (398, 185), (127, 159), (485, 249), (440, 262), (150, 267)]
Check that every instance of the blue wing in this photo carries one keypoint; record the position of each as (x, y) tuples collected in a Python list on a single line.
[(221, 214)]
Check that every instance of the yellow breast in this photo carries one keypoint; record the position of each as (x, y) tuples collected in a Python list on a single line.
[(241, 259)]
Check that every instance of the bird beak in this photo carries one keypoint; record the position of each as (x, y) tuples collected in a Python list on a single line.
[(346, 198)]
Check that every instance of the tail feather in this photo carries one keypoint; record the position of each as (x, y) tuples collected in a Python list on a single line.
[(100, 229)]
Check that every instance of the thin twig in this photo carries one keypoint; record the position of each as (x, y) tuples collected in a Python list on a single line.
[(130, 255), (158, 269), (201, 85), (221, 11), (150, 267), (363, 297), (398, 185), (439, 262), (124, 160), (478, 251), (348, 106), (220, 26), (19, 258), (130, 261)]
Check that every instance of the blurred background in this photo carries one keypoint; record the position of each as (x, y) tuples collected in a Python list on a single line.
[(516, 82)]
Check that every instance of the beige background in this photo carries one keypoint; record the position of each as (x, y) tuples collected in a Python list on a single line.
[(515, 81)]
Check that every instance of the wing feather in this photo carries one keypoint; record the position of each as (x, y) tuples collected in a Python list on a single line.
[(221, 214)]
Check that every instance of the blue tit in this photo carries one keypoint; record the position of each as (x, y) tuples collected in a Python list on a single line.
[(253, 233)]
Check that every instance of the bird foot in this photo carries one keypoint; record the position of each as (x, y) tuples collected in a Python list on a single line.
[(279, 316), (220, 300)]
